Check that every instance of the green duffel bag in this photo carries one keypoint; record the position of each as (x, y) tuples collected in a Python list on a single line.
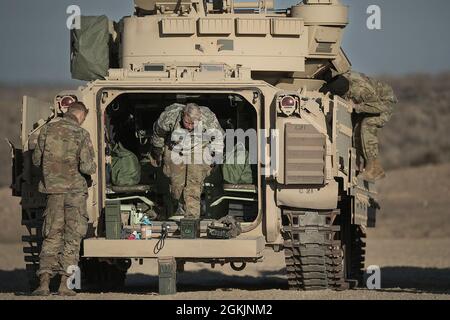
[(125, 167), (238, 171)]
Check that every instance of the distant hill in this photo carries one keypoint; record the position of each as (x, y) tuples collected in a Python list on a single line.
[(419, 132)]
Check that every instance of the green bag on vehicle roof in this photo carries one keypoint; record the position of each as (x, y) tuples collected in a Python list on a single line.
[(90, 50), (125, 167), (237, 169)]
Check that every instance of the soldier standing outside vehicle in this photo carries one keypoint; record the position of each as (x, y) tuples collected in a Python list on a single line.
[(374, 101), (189, 141), (66, 156)]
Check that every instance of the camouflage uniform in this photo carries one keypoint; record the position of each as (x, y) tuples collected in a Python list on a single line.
[(375, 100), (181, 163), (66, 155)]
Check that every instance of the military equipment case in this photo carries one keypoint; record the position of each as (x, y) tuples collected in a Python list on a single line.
[(113, 220), (167, 269), (190, 228)]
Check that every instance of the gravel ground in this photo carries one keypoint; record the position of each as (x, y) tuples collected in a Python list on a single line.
[(410, 269), (410, 245)]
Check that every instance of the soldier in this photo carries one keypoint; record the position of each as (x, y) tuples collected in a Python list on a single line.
[(66, 156), (374, 100), (189, 140)]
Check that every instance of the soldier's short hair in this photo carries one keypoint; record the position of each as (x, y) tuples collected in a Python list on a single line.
[(77, 107), (192, 110)]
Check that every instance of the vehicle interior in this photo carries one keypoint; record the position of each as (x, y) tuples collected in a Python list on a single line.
[(129, 121)]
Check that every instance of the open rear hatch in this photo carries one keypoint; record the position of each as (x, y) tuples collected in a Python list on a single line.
[(228, 191)]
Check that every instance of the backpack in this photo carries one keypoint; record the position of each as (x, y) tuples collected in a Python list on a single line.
[(125, 167)]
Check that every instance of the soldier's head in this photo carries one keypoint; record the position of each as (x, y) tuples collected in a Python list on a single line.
[(338, 86), (192, 115), (79, 110)]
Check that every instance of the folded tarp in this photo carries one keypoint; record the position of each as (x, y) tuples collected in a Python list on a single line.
[(90, 51)]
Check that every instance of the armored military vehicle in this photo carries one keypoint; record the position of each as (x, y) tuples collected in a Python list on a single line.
[(259, 69)]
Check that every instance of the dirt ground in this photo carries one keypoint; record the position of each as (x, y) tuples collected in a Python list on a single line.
[(410, 244)]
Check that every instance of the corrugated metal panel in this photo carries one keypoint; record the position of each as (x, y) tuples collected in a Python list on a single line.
[(178, 26), (215, 26), (287, 26), (252, 26), (305, 150)]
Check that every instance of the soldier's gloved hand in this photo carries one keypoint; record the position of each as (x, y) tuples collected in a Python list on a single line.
[(156, 157)]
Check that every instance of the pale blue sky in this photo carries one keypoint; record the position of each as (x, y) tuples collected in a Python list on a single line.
[(34, 42)]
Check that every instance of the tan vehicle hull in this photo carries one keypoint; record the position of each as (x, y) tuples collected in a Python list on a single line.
[(306, 198)]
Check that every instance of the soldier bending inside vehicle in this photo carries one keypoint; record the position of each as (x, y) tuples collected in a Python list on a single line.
[(374, 101), (66, 156), (189, 141)]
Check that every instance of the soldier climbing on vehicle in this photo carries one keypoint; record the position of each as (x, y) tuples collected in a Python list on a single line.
[(374, 101)]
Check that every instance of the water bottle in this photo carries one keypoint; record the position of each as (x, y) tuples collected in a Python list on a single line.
[(146, 228)]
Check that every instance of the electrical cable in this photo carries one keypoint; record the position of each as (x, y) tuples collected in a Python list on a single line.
[(160, 244)]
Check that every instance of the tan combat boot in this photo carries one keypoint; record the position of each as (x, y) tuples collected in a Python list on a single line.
[(374, 171), (63, 289), (44, 284)]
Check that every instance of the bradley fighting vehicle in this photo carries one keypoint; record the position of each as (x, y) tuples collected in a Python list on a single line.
[(258, 69)]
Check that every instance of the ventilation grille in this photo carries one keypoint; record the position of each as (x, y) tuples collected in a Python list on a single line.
[(324, 47), (304, 155)]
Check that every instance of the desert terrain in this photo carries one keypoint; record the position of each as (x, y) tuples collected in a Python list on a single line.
[(410, 243)]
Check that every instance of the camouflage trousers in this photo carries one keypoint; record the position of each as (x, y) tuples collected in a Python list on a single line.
[(369, 133), (65, 225), (186, 184)]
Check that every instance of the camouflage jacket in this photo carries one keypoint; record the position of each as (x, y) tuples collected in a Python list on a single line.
[(370, 95), (168, 129), (66, 155)]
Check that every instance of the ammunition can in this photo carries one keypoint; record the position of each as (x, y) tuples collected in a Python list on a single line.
[(189, 228), (167, 269), (113, 220)]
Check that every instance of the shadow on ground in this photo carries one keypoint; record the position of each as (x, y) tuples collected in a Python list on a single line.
[(411, 279), (208, 280), (424, 280), (13, 281)]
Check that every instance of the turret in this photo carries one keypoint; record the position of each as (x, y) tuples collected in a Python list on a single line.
[(177, 38)]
